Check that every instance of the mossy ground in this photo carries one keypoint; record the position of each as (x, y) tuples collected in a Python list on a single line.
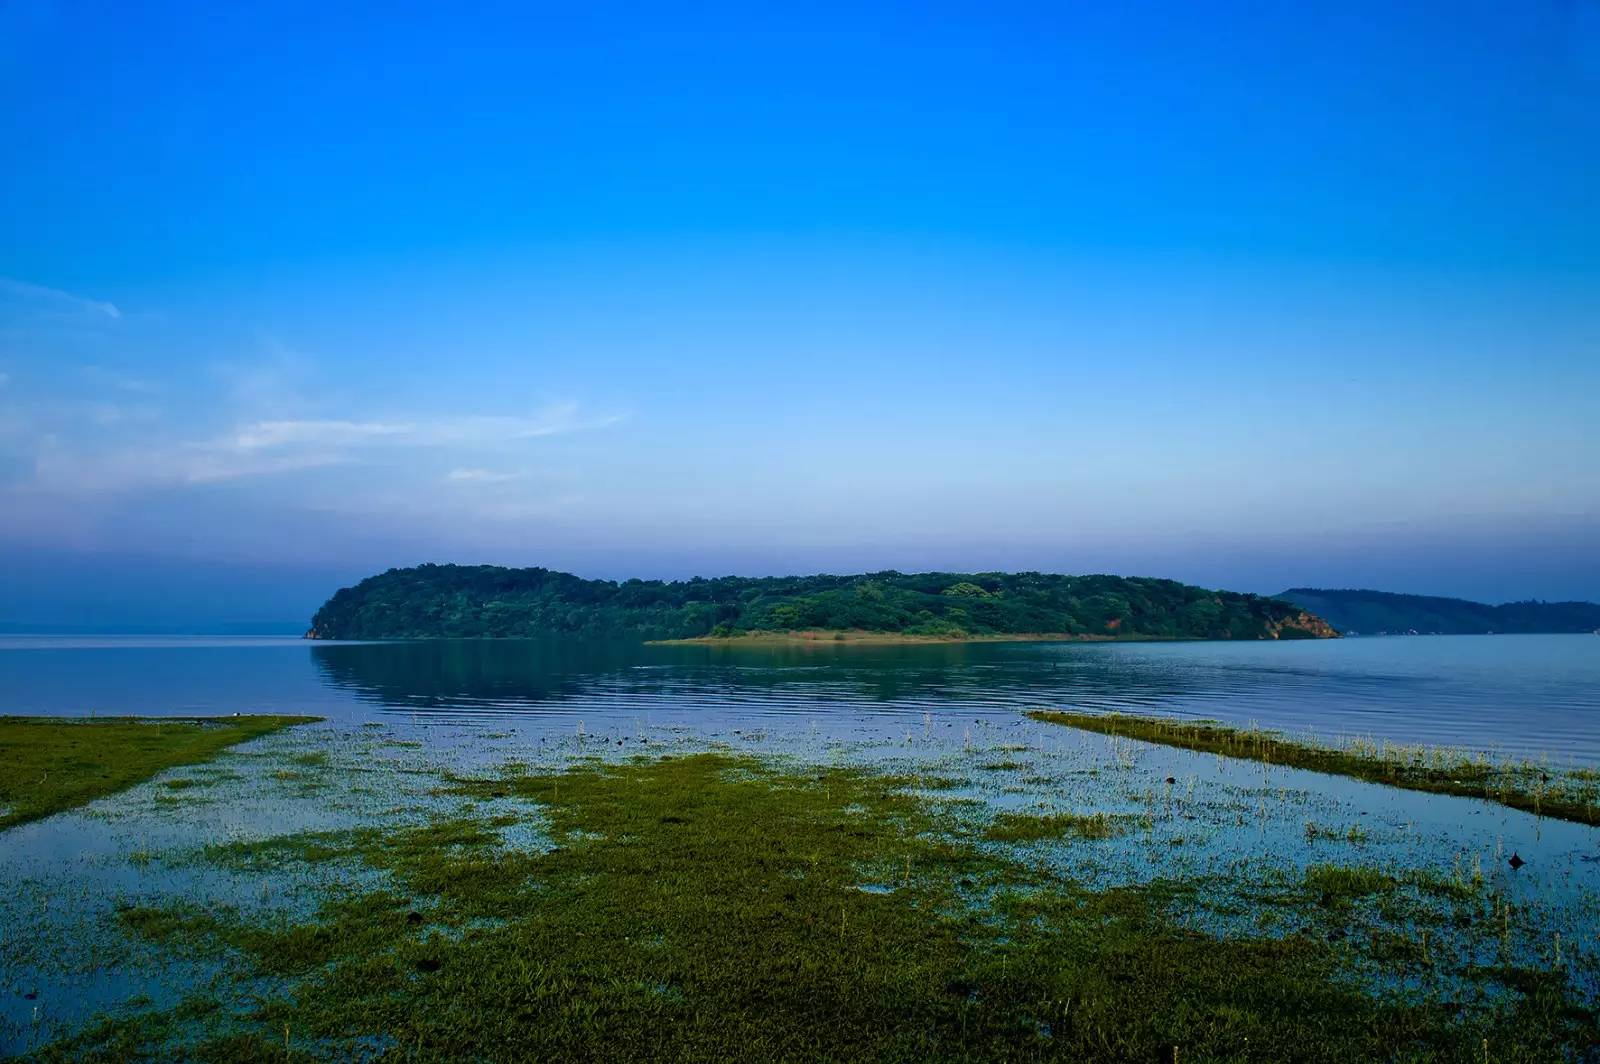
[(714, 906), (51, 764), (1573, 796)]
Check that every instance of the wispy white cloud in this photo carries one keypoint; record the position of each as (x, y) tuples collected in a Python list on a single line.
[(203, 467), (133, 468), (276, 382), (482, 476), (97, 440), (110, 378), (131, 449), (463, 431), (25, 291), (270, 435), (108, 415)]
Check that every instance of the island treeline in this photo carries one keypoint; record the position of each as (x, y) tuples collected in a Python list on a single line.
[(430, 601), (1374, 612)]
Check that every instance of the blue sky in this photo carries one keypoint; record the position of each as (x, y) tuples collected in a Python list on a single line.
[(1246, 294)]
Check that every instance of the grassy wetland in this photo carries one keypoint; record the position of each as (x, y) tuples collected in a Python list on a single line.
[(1534, 787), (945, 891)]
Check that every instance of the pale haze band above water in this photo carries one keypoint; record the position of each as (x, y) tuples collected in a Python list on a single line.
[(1516, 696)]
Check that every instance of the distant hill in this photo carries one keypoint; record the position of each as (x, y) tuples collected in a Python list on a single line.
[(486, 600), (1371, 612)]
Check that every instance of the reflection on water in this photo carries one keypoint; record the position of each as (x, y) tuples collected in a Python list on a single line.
[(1528, 695), (1516, 695)]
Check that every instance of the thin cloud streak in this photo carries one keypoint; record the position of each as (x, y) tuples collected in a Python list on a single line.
[(268, 435), (482, 476), (116, 381), (145, 460), (129, 470), (38, 293), (554, 420)]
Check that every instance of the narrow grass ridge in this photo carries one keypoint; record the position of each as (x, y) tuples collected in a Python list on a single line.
[(1573, 796), (56, 763)]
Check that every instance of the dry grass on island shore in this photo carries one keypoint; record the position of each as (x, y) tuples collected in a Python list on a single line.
[(860, 637)]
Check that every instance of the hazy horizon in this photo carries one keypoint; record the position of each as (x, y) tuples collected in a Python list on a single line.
[(230, 600), (1242, 297)]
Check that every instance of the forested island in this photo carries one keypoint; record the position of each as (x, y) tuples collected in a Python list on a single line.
[(1383, 612), (460, 601)]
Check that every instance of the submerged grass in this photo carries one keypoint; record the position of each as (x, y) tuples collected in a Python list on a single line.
[(1529, 787), (1343, 882), (54, 763), (1025, 827), (709, 907), (307, 847)]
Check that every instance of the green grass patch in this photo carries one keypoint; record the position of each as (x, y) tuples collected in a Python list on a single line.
[(1026, 827), (307, 847), (711, 907), (1354, 833), (1342, 883), (53, 763), (168, 923), (1529, 787), (1457, 888)]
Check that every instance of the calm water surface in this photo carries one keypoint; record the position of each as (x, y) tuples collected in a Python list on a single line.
[(952, 711), (1511, 695)]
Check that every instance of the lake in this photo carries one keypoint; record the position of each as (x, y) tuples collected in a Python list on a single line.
[(403, 719), (1515, 696)]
